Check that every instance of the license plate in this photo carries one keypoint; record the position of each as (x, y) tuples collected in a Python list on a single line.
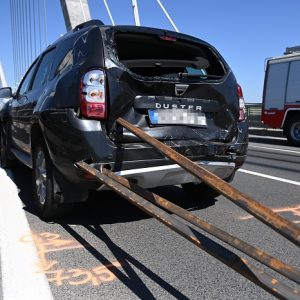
[(177, 117)]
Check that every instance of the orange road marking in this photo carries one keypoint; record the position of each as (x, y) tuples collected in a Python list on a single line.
[(49, 242), (294, 210)]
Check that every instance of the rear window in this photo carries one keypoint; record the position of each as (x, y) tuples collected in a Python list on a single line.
[(168, 57)]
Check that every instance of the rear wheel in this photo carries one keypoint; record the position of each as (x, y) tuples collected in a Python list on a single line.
[(292, 131), (47, 206), (200, 189), (7, 159)]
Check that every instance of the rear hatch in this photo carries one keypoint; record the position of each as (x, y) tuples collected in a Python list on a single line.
[(173, 86)]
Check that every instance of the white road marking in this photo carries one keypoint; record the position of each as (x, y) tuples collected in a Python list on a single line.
[(19, 261), (274, 149), (270, 177)]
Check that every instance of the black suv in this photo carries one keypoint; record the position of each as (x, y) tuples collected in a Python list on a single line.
[(175, 87)]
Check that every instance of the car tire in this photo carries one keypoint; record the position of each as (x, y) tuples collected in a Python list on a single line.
[(200, 189), (292, 131), (7, 159), (45, 202)]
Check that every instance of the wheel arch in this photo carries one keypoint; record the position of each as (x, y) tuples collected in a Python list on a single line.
[(71, 193), (290, 113)]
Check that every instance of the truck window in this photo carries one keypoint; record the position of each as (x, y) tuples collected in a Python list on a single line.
[(293, 87), (276, 85)]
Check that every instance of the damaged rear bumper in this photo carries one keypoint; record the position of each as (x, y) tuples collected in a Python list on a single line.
[(174, 174)]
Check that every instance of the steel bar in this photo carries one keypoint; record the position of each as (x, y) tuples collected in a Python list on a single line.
[(253, 252), (264, 214), (240, 265)]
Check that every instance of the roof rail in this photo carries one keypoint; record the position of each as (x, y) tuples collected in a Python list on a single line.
[(290, 50), (87, 24)]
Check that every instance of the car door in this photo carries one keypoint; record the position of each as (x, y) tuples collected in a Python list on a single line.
[(17, 106), (35, 93)]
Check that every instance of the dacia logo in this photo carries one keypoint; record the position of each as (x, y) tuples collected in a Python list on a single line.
[(180, 89)]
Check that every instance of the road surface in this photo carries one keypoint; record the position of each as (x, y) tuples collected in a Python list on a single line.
[(108, 249)]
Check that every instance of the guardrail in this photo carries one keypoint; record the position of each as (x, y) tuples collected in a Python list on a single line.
[(254, 115), (256, 127)]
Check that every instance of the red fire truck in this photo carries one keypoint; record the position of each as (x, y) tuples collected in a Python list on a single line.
[(281, 95)]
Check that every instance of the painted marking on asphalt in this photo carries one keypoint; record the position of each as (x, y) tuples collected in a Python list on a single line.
[(18, 262), (52, 242), (274, 149), (270, 177), (294, 210)]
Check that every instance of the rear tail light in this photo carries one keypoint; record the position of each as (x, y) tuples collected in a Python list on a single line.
[(92, 95), (242, 105)]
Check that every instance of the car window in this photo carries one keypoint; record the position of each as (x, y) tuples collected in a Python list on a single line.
[(43, 71), (66, 61), (24, 87)]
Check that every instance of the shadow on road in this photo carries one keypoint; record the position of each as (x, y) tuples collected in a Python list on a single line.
[(106, 207), (128, 276)]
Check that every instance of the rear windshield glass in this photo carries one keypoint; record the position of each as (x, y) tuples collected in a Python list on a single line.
[(168, 57)]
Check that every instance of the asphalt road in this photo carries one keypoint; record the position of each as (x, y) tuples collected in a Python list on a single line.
[(108, 249)]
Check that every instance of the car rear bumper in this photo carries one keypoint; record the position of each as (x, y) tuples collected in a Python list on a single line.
[(174, 174)]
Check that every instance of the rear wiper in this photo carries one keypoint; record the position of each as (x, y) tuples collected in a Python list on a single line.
[(189, 75)]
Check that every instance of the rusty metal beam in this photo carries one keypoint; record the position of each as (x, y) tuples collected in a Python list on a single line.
[(264, 214), (240, 265), (235, 242)]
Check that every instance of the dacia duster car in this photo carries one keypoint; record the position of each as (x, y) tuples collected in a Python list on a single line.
[(175, 87)]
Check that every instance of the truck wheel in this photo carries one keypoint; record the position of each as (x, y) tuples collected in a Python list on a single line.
[(200, 189), (7, 159), (292, 131), (46, 205)]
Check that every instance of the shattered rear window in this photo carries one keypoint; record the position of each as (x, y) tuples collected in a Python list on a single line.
[(152, 55)]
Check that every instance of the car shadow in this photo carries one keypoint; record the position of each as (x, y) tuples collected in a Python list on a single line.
[(106, 207)]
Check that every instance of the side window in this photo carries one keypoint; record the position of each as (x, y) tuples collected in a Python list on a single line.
[(65, 62), (293, 88), (24, 87), (276, 84), (43, 71)]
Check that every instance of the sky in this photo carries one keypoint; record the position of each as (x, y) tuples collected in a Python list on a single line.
[(244, 32)]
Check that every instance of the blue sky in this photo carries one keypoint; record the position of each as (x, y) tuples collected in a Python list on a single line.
[(245, 32)]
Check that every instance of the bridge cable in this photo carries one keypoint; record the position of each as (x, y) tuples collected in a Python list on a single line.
[(45, 24), (30, 32), (27, 35), (12, 36), (23, 39), (109, 13), (167, 15), (17, 39), (39, 26), (34, 29)]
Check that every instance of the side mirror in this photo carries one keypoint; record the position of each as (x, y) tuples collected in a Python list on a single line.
[(6, 92)]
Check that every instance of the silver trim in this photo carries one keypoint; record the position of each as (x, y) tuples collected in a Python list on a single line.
[(174, 174)]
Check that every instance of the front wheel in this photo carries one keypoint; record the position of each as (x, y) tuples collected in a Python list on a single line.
[(46, 205), (292, 131)]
